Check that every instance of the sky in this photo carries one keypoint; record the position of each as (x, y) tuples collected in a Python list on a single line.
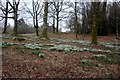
[(27, 18)]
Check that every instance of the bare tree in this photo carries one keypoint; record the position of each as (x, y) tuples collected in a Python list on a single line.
[(76, 20), (14, 7), (35, 13), (57, 11), (14, 10), (52, 15), (5, 11), (58, 8), (74, 17)]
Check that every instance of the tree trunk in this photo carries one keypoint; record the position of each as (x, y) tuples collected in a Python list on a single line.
[(15, 10), (53, 24), (95, 22), (103, 16), (117, 32), (15, 23), (57, 28), (6, 15), (44, 32), (117, 20), (36, 25), (76, 22), (35, 17), (36, 31), (94, 30)]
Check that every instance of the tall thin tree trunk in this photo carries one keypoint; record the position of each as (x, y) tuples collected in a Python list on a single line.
[(53, 24), (15, 33), (14, 6), (57, 27), (103, 16), (6, 15), (36, 31), (15, 10), (117, 32), (36, 25), (35, 18), (44, 32), (76, 22), (117, 20), (45, 15), (95, 22)]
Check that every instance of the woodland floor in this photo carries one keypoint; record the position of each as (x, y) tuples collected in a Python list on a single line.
[(18, 62)]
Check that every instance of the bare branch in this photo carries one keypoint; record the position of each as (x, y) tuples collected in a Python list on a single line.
[(28, 10), (40, 10), (1, 19)]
